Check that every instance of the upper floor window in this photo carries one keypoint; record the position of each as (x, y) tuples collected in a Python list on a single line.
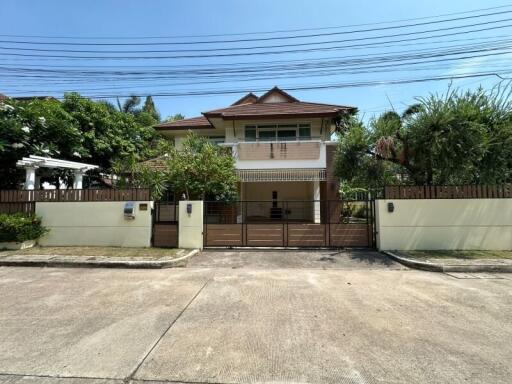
[(278, 132)]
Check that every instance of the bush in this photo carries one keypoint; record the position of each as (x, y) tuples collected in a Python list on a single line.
[(19, 227)]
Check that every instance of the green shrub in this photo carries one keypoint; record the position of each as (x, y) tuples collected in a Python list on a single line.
[(359, 210), (19, 227)]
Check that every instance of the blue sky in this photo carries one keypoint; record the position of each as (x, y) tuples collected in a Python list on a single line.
[(99, 20)]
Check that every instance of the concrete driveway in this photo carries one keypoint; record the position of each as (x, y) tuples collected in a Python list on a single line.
[(253, 325), (288, 258)]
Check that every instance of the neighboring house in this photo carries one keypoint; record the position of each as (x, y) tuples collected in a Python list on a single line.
[(282, 146)]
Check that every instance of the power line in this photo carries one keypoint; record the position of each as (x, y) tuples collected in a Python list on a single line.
[(259, 63), (251, 47), (255, 53), (401, 57), (281, 31), (303, 88)]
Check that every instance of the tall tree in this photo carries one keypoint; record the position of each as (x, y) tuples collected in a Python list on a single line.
[(456, 138), (149, 107), (198, 170), (77, 129)]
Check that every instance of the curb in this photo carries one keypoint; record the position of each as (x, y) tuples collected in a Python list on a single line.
[(434, 267), (174, 263)]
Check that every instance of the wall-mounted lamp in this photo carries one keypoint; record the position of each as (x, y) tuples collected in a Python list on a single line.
[(391, 207)]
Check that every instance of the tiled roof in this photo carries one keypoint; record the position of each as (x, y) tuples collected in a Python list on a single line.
[(156, 164), (3, 97), (247, 99), (283, 109), (199, 122), (252, 107)]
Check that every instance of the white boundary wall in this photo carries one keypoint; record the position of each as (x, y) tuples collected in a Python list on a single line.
[(444, 224), (99, 223), (191, 224)]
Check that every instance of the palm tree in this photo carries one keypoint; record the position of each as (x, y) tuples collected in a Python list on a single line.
[(130, 105)]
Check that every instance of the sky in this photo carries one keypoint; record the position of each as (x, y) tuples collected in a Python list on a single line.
[(482, 44)]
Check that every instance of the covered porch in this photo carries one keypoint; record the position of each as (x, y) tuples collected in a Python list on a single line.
[(292, 195)]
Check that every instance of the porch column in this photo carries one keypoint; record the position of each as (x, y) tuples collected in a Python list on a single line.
[(30, 177), (316, 204), (77, 179)]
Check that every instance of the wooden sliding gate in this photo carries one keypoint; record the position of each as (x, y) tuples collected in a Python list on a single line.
[(335, 224)]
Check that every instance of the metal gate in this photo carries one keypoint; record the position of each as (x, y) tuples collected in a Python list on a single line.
[(165, 224), (336, 224)]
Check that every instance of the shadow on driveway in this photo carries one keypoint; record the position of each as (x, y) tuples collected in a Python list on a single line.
[(276, 259)]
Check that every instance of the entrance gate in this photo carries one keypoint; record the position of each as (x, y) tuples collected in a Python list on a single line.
[(336, 224), (165, 224)]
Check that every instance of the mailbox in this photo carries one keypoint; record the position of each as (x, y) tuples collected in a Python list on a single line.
[(129, 210)]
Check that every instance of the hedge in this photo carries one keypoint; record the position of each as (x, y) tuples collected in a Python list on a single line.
[(19, 227)]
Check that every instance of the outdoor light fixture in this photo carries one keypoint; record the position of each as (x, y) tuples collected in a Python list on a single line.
[(391, 207), (189, 208)]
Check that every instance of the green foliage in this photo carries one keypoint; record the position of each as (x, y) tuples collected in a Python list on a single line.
[(198, 170), (150, 109), (19, 227), (354, 163), (457, 138), (177, 116), (77, 129)]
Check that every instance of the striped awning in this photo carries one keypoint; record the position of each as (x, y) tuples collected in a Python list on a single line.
[(301, 174)]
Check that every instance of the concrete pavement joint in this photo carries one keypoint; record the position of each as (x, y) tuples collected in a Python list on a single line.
[(57, 377), (130, 377)]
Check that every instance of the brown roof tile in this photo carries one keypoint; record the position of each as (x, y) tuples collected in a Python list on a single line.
[(282, 109), (247, 99), (199, 122)]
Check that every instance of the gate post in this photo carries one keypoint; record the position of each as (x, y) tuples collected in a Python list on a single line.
[(190, 224)]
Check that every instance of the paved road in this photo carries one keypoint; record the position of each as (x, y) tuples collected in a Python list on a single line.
[(248, 325)]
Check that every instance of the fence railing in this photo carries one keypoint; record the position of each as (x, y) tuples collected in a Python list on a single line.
[(24, 207), (292, 211), (69, 195), (448, 191)]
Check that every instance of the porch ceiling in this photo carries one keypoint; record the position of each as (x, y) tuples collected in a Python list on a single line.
[(255, 175)]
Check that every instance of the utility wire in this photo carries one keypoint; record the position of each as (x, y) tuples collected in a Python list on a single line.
[(265, 38), (238, 54), (254, 33)]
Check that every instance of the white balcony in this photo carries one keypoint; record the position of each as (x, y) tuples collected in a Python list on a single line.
[(303, 154)]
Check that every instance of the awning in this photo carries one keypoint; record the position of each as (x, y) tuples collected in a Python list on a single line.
[(300, 174)]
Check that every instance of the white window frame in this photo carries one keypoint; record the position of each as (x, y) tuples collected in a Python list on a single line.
[(285, 127)]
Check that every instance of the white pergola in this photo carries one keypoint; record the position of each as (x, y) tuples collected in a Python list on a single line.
[(33, 162)]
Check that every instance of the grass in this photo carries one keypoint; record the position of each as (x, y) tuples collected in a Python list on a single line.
[(97, 251), (468, 255)]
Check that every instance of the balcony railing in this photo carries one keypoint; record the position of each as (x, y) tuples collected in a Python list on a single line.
[(282, 150)]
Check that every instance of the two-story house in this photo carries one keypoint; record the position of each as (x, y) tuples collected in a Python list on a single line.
[(282, 147)]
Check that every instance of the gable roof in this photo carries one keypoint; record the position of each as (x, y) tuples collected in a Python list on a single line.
[(276, 91), (287, 106), (199, 122), (266, 106), (278, 110), (247, 99)]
